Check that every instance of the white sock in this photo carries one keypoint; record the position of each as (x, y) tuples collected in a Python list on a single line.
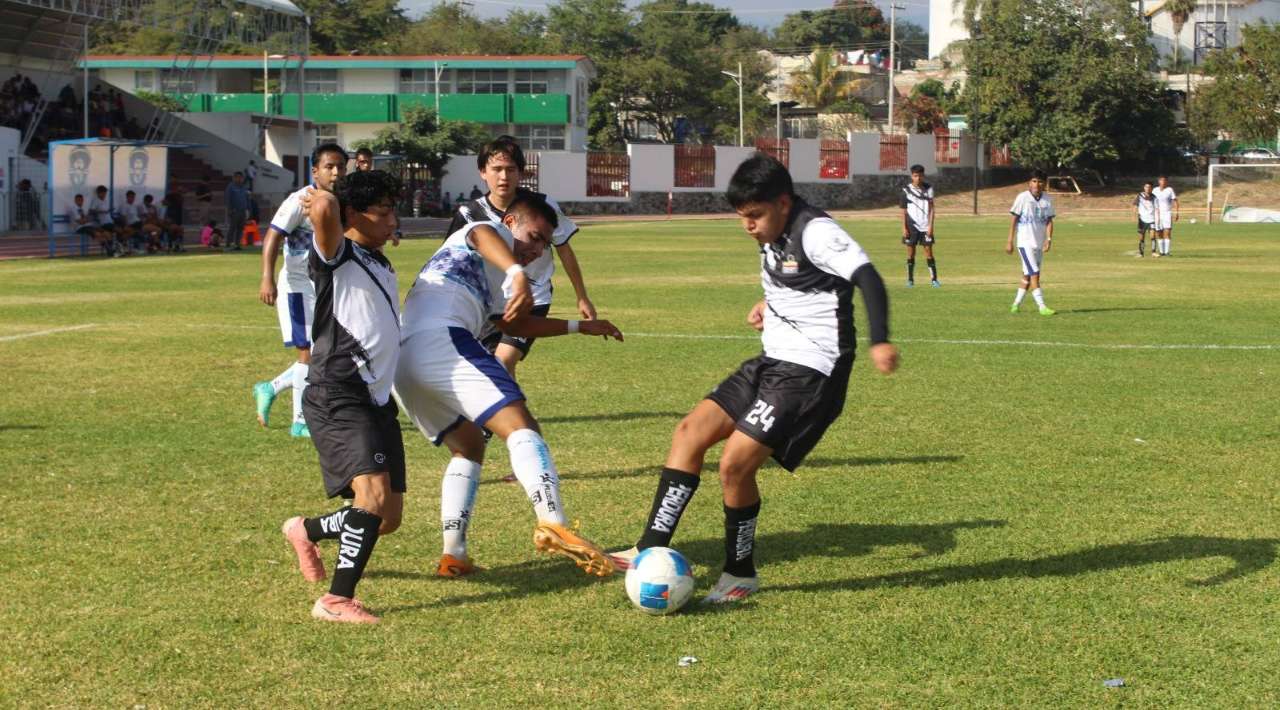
[(531, 462), (1164, 247), (283, 381), (299, 384), (1017, 300), (1039, 296), (457, 501)]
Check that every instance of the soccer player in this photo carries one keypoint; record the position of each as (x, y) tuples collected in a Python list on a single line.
[(451, 386), (297, 302), (1032, 224), (917, 224), (501, 163), (1168, 211), (779, 403), (348, 407), (1144, 208)]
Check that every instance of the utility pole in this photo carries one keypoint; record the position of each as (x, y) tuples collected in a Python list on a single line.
[(84, 98), (972, 72), (737, 78), (779, 85), (303, 178), (893, 24)]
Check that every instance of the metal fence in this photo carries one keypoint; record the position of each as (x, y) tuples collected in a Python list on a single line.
[(999, 156), (833, 159), (695, 166), (946, 148), (608, 175), (779, 150), (893, 151)]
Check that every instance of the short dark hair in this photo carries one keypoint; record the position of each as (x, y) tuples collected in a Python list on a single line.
[(502, 145), (1039, 175), (100, 188), (327, 148), (362, 190), (760, 178), (532, 204), (1147, 182), (130, 193), (148, 198), (364, 151), (237, 173), (917, 168)]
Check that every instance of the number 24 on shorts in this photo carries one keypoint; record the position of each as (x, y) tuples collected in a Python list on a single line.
[(761, 415)]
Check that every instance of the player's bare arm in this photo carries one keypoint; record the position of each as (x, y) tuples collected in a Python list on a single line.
[(931, 213), (1048, 235), (322, 207), (906, 223), (1177, 210), (569, 260), (495, 251), (270, 251), (1013, 225), (755, 317), (538, 327)]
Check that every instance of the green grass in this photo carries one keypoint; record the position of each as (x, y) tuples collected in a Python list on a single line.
[(983, 528)]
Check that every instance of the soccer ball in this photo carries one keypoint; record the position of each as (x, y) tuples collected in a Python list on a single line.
[(660, 581)]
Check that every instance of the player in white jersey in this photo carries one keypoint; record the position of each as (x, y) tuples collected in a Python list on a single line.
[(1167, 212), (294, 297), (501, 163), (917, 224), (1144, 208), (451, 386), (1032, 225), (780, 403)]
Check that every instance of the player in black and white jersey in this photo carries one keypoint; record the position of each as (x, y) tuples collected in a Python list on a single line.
[(348, 405), (917, 224), (292, 293), (501, 163), (779, 403), (1144, 208)]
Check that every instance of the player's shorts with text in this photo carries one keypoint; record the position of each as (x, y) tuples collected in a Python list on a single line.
[(297, 310), (783, 405), (1030, 258), (445, 377), (493, 339), (353, 436), (915, 236)]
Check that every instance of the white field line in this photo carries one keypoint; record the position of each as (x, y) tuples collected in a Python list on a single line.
[(1022, 343), (51, 331)]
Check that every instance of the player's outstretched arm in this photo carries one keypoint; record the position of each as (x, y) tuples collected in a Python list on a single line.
[(270, 250), (875, 299), (325, 215), (494, 250), (586, 308), (539, 327)]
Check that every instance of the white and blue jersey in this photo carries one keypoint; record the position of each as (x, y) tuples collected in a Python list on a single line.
[(292, 221), (1034, 213), (457, 287)]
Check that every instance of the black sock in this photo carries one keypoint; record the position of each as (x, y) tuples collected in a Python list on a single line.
[(1140, 244), (911, 269), (933, 270), (740, 540), (325, 527), (675, 490), (355, 543)]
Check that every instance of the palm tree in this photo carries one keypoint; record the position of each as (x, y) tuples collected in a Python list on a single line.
[(822, 83), (1179, 12)]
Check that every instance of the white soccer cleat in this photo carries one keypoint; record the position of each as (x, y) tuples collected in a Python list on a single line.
[(622, 559), (732, 589)]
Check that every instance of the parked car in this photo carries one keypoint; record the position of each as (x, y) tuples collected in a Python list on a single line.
[(1255, 154)]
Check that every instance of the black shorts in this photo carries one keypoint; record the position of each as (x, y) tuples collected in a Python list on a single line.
[(492, 340), (782, 405), (1143, 227), (915, 236), (353, 436)]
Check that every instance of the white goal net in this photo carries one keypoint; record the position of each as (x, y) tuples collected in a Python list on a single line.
[(1244, 192)]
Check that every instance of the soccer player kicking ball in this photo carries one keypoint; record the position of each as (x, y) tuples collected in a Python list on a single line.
[(348, 405), (451, 386), (297, 302), (1144, 208), (779, 403), (1032, 223), (917, 224)]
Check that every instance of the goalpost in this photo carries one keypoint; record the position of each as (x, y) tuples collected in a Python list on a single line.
[(1247, 192)]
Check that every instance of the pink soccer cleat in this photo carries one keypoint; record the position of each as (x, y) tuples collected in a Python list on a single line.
[(332, 607), (309, 562)]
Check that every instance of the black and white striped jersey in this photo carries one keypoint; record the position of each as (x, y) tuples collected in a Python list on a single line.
[(916, 201), (356, 331)]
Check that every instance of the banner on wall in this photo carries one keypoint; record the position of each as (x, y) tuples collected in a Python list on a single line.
[(79, 167)]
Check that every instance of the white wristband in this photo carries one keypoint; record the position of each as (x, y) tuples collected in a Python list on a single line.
[(573, 326), (515, 269)]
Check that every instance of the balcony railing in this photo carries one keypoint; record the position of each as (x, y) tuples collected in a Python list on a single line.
[(389, 108)]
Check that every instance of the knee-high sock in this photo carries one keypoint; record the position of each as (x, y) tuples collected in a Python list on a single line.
[(911, 269), (1039, 296), (326, 527), (675, 490), (284, 380), (299, 384), (532, 464), (933, 269), (740, 540), (457, 501), (356, 539), (1017, 299)]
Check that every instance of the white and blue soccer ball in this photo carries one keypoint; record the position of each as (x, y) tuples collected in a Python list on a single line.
[(660, 581)]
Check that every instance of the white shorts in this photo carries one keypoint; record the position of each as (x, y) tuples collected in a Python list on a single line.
[(445, 377), (297, 311), (1164, 220), (1030, 257)]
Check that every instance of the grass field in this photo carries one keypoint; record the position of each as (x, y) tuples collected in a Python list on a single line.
[(1029, 507)]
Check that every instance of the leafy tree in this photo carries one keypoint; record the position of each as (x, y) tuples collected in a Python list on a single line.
[(821, 84), (847, 22), (424, 139), (1244, 98), (343, 26), (1060, 84)]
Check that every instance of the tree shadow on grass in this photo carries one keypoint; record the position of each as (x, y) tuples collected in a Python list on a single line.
[(1248, 556), (22, 427), (1129, 309)]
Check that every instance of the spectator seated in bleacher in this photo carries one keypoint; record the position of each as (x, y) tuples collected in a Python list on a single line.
[(171, 217), (129, 218), (211, 236), (82, 223), (153, 229), (100, 216)]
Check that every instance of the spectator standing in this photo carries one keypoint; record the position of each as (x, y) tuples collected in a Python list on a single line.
[(237, 201), (475, 192)]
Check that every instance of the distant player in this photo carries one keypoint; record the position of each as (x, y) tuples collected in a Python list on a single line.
[(348, 405), (501, 163), (1144, 208), (296, 304), (1032, 224), (917, 224), (779, 403), (1167, 212), (450, 385)]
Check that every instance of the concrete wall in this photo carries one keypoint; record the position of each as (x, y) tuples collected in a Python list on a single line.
[(653, 168), (369, 81), (282, 141), (237, 128), (728, 158)]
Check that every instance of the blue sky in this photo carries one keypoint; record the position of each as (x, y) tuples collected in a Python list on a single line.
[(762, 13)]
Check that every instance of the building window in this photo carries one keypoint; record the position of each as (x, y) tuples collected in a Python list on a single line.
[(326, 133), (531, 81), (144, 80), (168, 81), (482, 81), (423, 81), (321, 81), (540, 137)]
